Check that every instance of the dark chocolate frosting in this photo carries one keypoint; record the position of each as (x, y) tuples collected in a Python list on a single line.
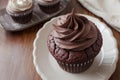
[(74, 32)]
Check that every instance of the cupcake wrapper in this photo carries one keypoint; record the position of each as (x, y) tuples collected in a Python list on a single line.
[(25, 18), (21, 18), (76, 68), (50, 8)]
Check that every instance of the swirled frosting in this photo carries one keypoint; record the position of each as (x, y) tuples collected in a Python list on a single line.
[(74, 32), (19, 5)]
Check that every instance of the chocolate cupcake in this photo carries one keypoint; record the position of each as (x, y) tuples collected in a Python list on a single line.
[(74, 42), (49, 6), (20, 10)]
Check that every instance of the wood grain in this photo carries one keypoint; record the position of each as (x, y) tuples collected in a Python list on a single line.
[(16, 61)]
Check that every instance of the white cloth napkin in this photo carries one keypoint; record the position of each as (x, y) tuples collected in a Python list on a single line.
[(109, 10)]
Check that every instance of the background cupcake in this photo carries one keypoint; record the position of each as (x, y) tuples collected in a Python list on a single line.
[(49, 6), (20, 10), (74, 43)]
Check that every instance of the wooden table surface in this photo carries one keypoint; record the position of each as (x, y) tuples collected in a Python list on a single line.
[(16, 61)]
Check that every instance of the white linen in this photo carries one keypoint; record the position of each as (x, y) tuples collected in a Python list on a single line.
[(109, 10)]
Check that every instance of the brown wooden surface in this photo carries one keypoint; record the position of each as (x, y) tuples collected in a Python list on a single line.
[(16, 61)]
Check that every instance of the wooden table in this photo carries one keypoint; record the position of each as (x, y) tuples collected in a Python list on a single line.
[(16, 61)]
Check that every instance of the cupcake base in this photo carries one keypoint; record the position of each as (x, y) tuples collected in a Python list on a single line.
[(76, 68), (22, 17)]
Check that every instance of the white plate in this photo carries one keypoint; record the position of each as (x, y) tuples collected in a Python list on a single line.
[(102, 68), (109, 10)]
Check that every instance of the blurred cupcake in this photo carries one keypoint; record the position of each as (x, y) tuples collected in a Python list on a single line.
[(49, 6), (74, 42), (20, 10)]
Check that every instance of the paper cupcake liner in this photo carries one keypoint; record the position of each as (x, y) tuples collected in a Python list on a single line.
[(76, 68), (50, 8), (22, 18)]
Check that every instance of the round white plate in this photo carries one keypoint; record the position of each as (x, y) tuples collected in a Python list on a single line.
[(109, 10), (102, 68)]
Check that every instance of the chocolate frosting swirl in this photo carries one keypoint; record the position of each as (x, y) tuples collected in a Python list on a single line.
[(74, 32)]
